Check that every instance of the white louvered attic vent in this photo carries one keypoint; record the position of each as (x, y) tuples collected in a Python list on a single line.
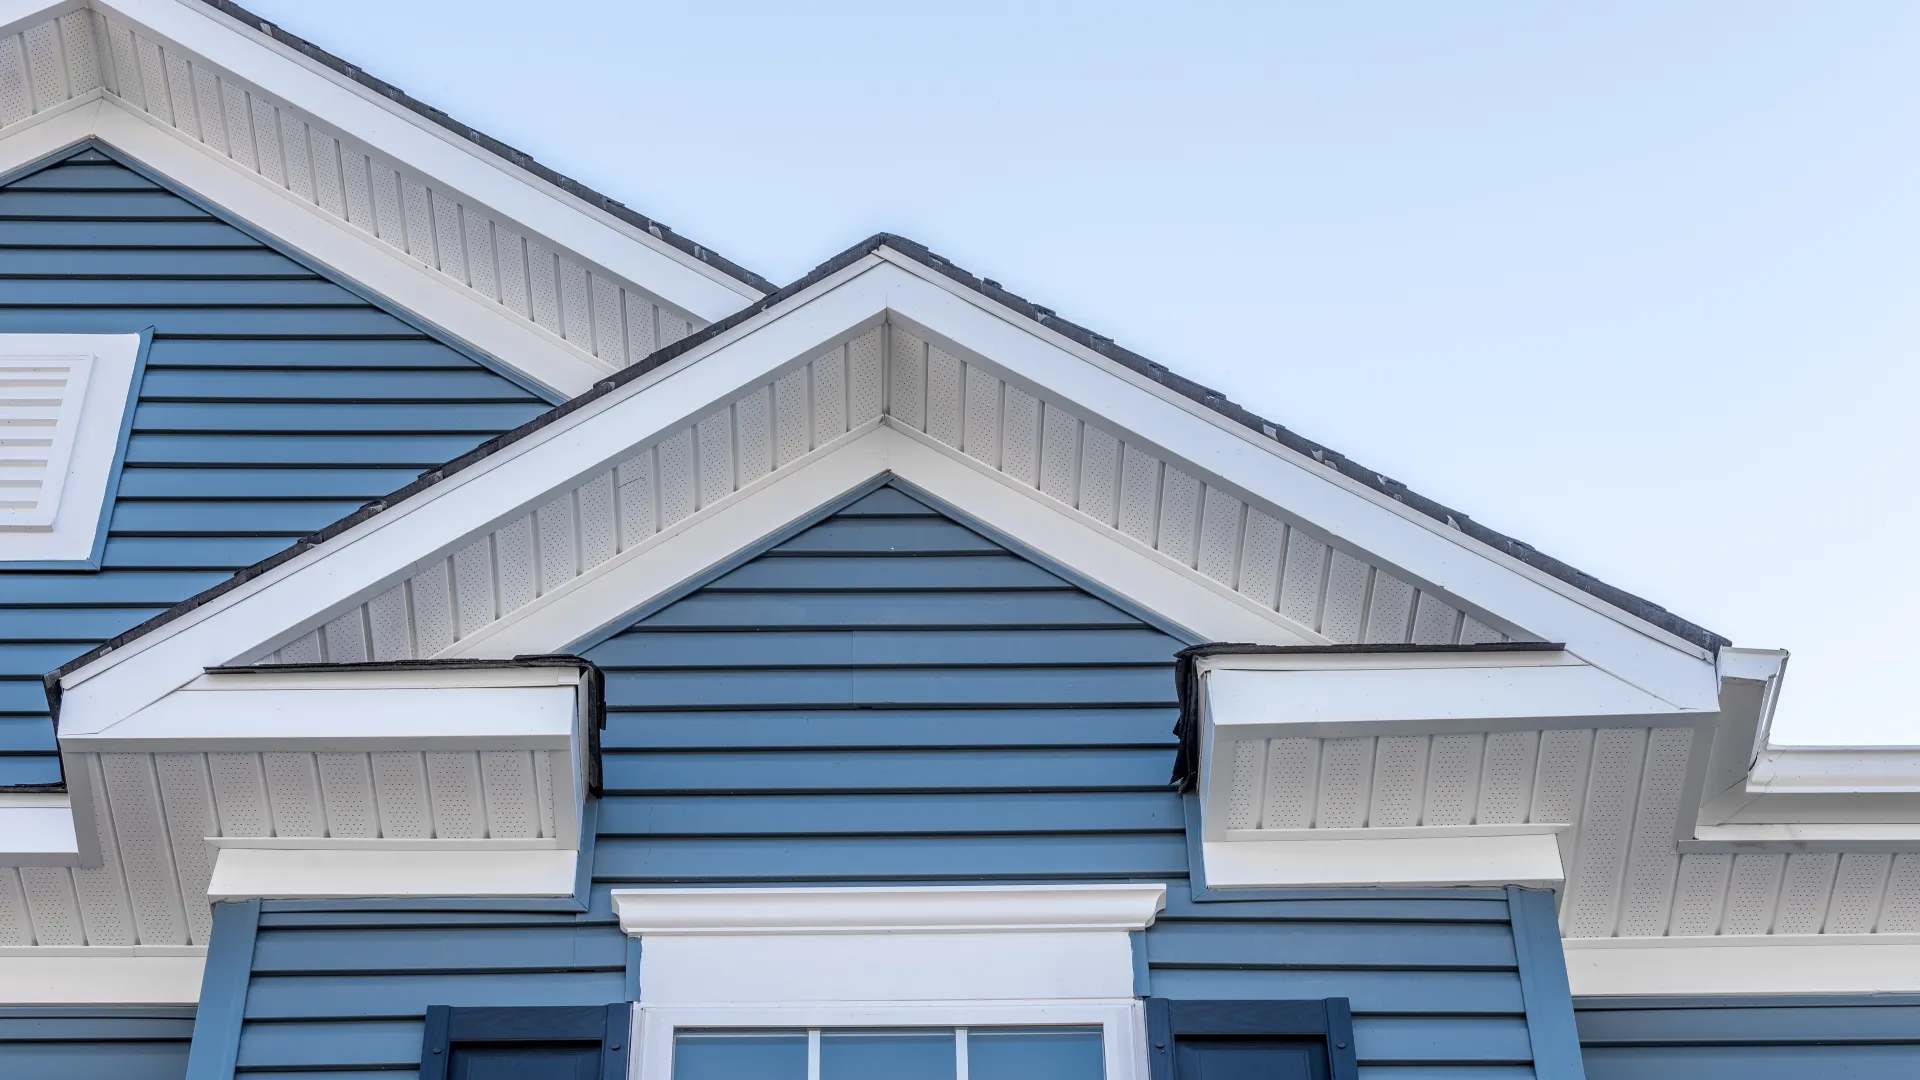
[(62, 400), (40, 399)]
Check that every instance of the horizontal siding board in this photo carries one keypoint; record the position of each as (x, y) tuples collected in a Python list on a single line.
[(106, 587), (775, 650), (258, 264), (1752, 1062), (280, 417), (890, 770), (753, 687), (888, 536), (17, 203), (124, 234), (439, 949), (95, 1060), (229, 292), (195, 552), (1407, 945), (848, 609), (898, 728), (952, 572), (259, 323), (360, 385), (1715, 1038), (915, 814), (411, 353), (1452, 1039), (362, 1044), (1411, 993), (209, 484), (400, 996), (415, 451), (226, 518), (919, 858)]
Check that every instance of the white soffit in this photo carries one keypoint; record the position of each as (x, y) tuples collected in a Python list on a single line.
[(63, 406), (919, 943), (547, 284)]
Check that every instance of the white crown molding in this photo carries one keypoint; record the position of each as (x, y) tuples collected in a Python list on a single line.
[(916, 909)]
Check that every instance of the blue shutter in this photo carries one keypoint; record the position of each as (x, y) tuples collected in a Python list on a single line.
[(540, 1043), (1251, 1040)]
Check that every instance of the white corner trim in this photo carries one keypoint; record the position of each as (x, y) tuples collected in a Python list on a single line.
[(462, 165), (100, 976), (37, 830), (242, 873), (915, 909), (1519, 858), (1796, 964), (67, 395)]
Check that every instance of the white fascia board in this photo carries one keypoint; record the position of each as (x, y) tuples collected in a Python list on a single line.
[(1636, 651), (391, 546), (531, 351), (1774, 964), (100, 975), (1515, 858), (1856, 837), (1820, 770), (1339, 701), (628, 581), (37, 830), (888, 909), (416, 718), (18, 15), (249, 872), (458, 163)]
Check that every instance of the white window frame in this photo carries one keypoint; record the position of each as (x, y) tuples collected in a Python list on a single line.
[(811, 959), (88, 439), (1122, 1023)]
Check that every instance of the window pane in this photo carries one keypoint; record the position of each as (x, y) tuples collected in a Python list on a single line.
[(774, 1055), (862, 1055), (1035, 1054)]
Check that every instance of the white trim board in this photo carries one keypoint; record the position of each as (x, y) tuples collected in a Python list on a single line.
[(243, 873), (1523, 855), (888, 909), (100, 976), (1780, 964), (37, 830)]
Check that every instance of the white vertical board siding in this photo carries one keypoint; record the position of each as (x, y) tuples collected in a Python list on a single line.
[(680, 474), (584, 305), (1625, 877), (1256, 550), (151, 886)]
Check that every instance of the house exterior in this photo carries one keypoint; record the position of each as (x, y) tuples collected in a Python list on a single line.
[(450, 624)]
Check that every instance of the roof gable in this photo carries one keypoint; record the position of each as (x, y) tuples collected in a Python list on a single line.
[(698, 430), (534, 268)]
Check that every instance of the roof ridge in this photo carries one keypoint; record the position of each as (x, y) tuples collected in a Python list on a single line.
[(494, 146)]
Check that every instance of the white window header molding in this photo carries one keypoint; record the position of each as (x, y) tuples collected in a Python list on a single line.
[(709, 947), (64, 403), (917, 909)]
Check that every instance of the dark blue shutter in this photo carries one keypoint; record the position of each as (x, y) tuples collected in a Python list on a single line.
[(542, 1043), (1251, 1040)]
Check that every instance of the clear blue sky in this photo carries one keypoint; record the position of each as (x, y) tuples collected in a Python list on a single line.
[(1636, 283)]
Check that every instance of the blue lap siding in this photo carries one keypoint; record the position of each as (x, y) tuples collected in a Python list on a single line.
[(94, 1043), (891, 697), (275, 400), (1837, 1037)]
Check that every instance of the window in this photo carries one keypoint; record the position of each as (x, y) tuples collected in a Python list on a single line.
[(956, 982), (552, 1043), (64, 400), (1018, 1053), (1245, 1040)]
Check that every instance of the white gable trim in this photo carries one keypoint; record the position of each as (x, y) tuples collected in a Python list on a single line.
[(390, 546), (397, 131), (608, 593)]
